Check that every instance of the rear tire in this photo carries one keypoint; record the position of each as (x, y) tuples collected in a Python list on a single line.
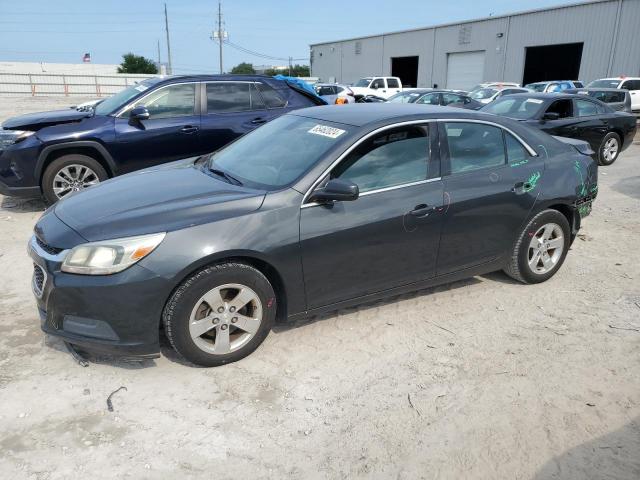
[(220, 315), (69, 174), (609, 149), (541, 248)]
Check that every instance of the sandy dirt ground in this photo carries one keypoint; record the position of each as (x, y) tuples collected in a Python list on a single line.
[(481, 379)]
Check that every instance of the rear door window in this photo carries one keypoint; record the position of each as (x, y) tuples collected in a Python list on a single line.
[(451, 98), (585, 108), (271, 98), (393, 83), (474, 146), (228, 97), (516, 153)]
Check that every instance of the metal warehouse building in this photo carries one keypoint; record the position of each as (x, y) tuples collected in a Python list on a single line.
[(584, 41)]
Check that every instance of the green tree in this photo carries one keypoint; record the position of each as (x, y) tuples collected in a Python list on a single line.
[(243, 69), (296, 71), (136, 64)]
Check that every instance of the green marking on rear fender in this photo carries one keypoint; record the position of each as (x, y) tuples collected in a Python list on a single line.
[(583, 187), (532, 182)]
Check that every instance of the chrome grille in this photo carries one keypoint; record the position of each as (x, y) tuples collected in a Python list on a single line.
[(48, 248), (39, 277)]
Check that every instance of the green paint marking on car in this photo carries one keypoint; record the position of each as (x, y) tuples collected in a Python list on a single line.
[(521, 162), (583, 188), (531, 182)]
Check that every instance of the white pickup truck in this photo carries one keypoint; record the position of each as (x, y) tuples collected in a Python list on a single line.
[(379, 86)]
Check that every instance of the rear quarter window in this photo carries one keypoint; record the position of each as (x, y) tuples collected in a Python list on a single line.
[(271, 98)]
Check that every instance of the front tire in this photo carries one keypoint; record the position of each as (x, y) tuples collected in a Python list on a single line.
[(609, 149), (541, 248), (69, 174), (221, 314)]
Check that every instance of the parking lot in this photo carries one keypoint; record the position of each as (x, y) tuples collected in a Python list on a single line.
[(482, 378)]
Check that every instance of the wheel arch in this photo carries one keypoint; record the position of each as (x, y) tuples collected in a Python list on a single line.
[(253, 259), (570, 214), (90, 148)]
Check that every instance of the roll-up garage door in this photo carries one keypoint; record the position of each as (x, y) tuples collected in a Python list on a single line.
[(464, 69)]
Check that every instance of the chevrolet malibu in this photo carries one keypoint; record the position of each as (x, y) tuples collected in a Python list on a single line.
[(322, 208)]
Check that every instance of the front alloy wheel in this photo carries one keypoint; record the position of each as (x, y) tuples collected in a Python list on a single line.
[(220, 314), (225, 318)]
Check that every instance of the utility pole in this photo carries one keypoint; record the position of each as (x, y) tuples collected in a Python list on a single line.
[(220, 32), (166, 26), (290, 59), (159, 60)]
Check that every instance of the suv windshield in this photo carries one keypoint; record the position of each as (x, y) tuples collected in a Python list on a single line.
[(604, 84), (363, 82), (483, 93), (279, 152), (515, 107), (113, 103)]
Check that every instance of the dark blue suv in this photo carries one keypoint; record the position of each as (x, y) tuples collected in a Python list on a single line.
[(156, 121)]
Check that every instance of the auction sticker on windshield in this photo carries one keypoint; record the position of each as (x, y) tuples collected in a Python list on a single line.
[(326, 131), (534, 100)]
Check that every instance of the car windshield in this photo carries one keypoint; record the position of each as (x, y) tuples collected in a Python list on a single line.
[(536, 87), (404, 97), (277, 153), (363, 82), (483, 93), (604, 84), (522, 108), (113, 103)]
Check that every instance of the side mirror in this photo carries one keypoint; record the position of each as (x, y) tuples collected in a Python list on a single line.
[(374, 87), (551, 116), (139, 113), (337, 190)]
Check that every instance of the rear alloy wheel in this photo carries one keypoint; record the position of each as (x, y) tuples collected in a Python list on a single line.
[(541, 248), (609, 149), (70, 174), (221, 314)]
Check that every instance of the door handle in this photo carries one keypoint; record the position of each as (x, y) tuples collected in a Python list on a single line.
[(189, 129), (421, 211), (521, 187), (258, 121)]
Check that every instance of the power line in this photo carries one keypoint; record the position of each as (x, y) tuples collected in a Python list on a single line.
[(258, 54)]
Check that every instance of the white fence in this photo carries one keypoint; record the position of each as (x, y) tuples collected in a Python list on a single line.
[(47, 84)]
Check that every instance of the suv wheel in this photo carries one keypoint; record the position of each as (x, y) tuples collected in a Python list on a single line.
[(69, 174), (221, 314), (541, 248), (609, 149)]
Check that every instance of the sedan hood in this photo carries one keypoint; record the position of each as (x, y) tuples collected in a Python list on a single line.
[(161, 199), (36, 121)]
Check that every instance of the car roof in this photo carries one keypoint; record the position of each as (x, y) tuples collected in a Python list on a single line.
[(362, 114), (212, 77)]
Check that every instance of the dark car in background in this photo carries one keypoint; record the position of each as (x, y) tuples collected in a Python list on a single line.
[(320, 209), (428, 96), (575, 116), (617, 99), (159, 120)]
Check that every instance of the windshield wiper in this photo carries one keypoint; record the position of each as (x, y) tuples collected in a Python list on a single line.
[(229, 178)]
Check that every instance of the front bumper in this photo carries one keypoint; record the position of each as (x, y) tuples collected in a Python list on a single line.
[(112, 314), (18, 169)]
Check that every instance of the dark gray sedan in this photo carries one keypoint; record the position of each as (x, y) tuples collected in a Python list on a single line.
[(319, 209)]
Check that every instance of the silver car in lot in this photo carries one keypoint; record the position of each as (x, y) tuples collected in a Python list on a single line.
[(334, 93), (489, 94)]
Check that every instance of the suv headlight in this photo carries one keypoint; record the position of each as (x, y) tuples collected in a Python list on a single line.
[(110, 256), (9, 137)]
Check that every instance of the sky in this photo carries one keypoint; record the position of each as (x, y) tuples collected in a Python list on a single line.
[(63, 30)]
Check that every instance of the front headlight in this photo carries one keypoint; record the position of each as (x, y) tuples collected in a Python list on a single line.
[(9, 137), (110, 256)]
